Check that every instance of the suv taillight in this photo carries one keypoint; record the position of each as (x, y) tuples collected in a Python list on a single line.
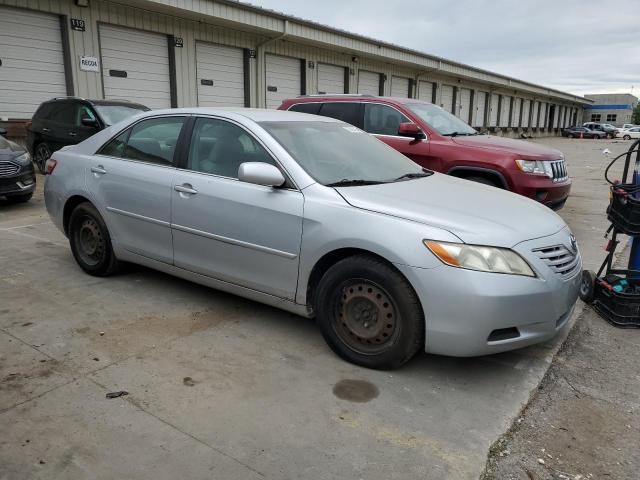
[(50, 166)]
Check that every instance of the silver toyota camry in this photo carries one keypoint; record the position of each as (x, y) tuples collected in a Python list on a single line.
[(316, 217)]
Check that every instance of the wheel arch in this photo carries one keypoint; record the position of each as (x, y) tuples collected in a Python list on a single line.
[(71, 203), (467, 171)]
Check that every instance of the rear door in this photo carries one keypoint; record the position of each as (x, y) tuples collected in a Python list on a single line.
[(237, 232), (346, 111), (132, 178)]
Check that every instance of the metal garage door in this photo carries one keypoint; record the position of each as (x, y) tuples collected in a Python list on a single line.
[(399, 87), (368, 82), (504, 111), (495, 105), (534, 117), (32, 61), (517, 107), (425, 91), (220, 75), (446, 98), (464, 105), (330, 79), (135, 66), (481, 103), (526, 110), (284, 79)]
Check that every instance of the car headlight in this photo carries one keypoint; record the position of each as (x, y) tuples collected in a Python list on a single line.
[(480, 258), (24, 159), (535, 167)]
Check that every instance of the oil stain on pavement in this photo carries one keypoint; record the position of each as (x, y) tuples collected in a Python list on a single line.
[(359, 391)]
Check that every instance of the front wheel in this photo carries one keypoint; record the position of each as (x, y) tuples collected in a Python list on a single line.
[(90, 241), (587, 286), (627, 137), (369, 314)]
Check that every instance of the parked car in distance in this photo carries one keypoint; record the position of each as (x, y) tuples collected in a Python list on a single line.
[(439, 141), (70, 120), (17, 176), (629, 125), (220, 197), (608, 130), (582, 132), (629, 133)]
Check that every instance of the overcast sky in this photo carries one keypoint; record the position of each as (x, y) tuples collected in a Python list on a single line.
[(572, 45)]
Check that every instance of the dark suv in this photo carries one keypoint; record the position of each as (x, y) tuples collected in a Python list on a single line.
[(70, 120), (17, 177), (608, 130)]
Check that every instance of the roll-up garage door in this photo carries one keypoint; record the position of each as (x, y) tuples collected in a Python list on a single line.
[(446, 98), (534, 116), (495, 105), (464, 104), (517, 107), (32, 68), (481, 102), (526, 110), (399, 87), (220, 75), (330, 79), (284, 79), (504, 111), (135, 66), (425, 91), (368, 83)]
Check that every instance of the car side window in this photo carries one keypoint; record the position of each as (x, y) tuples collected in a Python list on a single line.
[(382, 119), (115, 148), (312, 108), (345, 111), (65, 113), (83, 112), (154, 140), (219, 147)]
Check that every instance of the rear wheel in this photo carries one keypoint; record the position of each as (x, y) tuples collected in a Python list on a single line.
[(42, 154), (369, 314), (90, 241), (627, 137)]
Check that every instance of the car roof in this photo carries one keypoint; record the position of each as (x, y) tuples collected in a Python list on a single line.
[(255, 114), (351, 98)]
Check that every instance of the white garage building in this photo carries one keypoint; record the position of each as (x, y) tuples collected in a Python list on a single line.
[(173, 53)]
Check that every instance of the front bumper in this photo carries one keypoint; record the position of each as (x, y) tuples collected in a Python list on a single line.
[(544, 190), (23, 182), (472, 313)]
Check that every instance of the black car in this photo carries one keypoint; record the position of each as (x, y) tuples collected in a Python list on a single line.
[(17, 176), (582, 132), (609, 131), (70, 120)]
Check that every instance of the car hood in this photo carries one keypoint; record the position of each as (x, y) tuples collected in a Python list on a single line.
[(9, 149), (475, 213), (527, 150)]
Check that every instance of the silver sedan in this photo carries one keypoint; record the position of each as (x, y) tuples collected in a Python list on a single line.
[(316, 217)]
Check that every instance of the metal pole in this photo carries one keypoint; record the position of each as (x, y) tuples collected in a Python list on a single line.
[(634, 256)]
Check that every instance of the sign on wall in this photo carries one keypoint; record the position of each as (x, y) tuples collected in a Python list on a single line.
[(89, 64), (77, 24)]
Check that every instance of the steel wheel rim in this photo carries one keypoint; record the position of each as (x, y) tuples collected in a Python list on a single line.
[(91, 244), (42, 155), (585, 285), (366, 318)]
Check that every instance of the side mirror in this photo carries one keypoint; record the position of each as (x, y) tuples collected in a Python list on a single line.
[(409, 129), (3, 131), (89, 122), (260, 173)]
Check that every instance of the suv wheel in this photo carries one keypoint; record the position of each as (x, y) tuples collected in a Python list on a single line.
[(42, 154), (369, 314), (627, 137), (570, 135), (90, 241)]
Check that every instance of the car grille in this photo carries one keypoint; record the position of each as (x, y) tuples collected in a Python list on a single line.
[(559, 259), (8, 168), (559, 170)]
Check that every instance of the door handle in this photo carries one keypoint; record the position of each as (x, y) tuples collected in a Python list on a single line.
[(99, 170), (46, 130), (72, 134), (185, 188)]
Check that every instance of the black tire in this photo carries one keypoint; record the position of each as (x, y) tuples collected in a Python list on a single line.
[(626, 137), (90, 241), (20, 198), (484, 181), (41, 153), (587, 286), (570, 135), (353, 296)]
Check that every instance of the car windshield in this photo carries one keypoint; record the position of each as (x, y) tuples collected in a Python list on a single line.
[(340, 154), (441, 120), (112, 114)]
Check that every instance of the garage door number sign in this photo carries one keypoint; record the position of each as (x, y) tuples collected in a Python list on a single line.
[(77, 24), (89, 64)]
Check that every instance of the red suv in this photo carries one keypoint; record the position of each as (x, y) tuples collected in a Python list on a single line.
[(437, 140)]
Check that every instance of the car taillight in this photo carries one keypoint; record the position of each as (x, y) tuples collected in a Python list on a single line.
[(50, 166)]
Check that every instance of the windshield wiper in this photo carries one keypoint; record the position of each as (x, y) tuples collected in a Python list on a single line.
[(461, 134), (408, 176), (348, 182)]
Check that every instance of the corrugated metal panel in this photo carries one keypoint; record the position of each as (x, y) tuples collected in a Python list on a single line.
[(481, 102), (464, 105), (220, 75), (399, 87), (330, 78), (143, 57), (284, 79), (493, 114), (504, 111), (446, 98), (425, 91), (526, 111), (368, 82), (32, 68)]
